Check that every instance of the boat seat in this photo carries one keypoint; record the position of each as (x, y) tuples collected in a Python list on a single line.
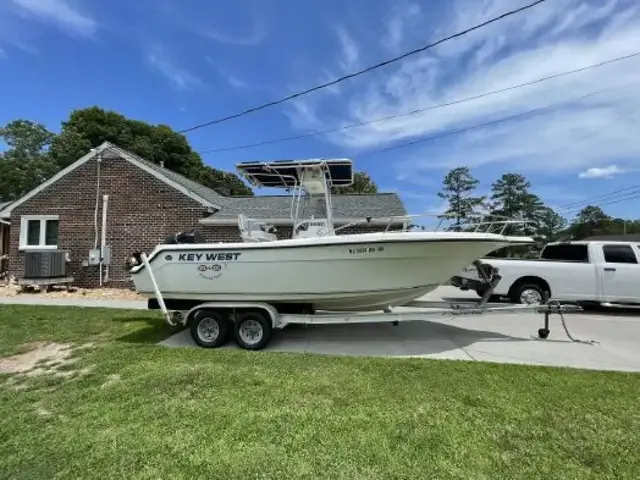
[(256, 230)]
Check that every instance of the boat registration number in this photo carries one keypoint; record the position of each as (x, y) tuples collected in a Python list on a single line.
[(361, 250)]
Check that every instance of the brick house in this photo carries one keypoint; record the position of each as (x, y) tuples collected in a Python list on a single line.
[(145, 204)]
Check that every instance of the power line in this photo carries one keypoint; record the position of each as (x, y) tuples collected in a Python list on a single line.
[(587, 201), (623, 198), (420, 110), (492, 122), (363, 71)]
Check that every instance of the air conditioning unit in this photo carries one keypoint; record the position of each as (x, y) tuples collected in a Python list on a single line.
[(45, 264)]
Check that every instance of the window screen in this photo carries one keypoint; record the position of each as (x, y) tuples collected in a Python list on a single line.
[(619, 254), (33, 232), (566, 252), (51, 232)]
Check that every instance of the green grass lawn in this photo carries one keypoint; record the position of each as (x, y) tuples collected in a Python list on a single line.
[(143, 411)]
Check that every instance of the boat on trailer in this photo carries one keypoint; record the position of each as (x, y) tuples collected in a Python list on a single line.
[(317, 268), (262, 282)]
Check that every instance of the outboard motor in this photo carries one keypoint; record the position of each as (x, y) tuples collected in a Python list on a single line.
[(192, 236), (134, 260)]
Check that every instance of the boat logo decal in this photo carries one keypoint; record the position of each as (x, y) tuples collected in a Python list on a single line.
[(211, 272), (209, 257), (168, 258)]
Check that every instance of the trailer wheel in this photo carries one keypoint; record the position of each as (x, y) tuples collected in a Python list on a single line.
[(252, 330), (209, 329)]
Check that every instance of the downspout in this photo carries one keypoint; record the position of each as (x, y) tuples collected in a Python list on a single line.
[(103, 241), (95, 214)]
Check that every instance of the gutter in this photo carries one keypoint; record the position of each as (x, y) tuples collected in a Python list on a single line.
[(5, 222)]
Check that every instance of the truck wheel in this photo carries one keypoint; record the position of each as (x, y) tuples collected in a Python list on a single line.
[(527, 294), (252, 330), (209, 329)]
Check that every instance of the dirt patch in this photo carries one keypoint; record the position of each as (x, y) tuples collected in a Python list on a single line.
[(42, 358), (41, 353), (13, 290)]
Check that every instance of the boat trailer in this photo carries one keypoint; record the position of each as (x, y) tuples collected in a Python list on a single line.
[(251, 324)]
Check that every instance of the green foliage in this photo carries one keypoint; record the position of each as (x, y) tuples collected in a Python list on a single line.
[(550, 224), (35, 154), (592, 220), (362, 184), (458, 187), (26, 163)]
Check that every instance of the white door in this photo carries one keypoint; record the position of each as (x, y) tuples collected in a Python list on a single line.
[(620, 273)]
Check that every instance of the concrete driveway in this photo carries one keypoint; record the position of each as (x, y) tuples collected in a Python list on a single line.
[(505, 338)]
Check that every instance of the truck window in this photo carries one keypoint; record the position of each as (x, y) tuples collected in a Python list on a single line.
[(619, 254), (566, 253)]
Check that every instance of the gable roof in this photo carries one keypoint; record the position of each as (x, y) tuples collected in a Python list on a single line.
[(206, 196), (273, 207), (216, 199), (277, 208)]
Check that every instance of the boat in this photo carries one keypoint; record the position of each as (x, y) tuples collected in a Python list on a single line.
[(318, 267)]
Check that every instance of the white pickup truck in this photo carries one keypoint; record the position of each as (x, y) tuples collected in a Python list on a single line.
[(587, 272)]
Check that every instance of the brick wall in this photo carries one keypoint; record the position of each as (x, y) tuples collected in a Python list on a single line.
[(142, 211)]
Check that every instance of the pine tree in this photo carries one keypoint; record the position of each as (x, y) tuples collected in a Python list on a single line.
[(457, 190)]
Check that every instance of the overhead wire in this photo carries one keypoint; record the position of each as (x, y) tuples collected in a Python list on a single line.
[(494, 122), (363, 71), (611, 201), (603, 197), (420, 110)]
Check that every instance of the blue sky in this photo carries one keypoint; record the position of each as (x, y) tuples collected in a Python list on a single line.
[(187, 62)]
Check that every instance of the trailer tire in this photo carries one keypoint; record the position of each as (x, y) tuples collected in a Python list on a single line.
[(252, 330), (209, 328), (533, 290)]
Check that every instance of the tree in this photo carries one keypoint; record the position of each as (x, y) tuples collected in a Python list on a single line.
[(511, 200), (225, 183), (592, 220), (26, 163), (362, 184), (88, 128), (458, 186), (550, 224)]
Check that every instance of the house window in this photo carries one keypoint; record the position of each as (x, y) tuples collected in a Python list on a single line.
[(39, 231)]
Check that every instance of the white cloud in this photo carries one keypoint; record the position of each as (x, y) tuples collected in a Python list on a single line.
[(208, 20), (602, 172), (61, 13), (253, 37), (548, 39), (179, 77), (235, 82), (350, 51), (402, 15)]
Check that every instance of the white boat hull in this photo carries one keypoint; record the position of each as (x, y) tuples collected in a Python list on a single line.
[(347, 273)]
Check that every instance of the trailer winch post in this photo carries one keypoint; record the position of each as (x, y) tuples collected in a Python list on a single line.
[(156, 290)]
